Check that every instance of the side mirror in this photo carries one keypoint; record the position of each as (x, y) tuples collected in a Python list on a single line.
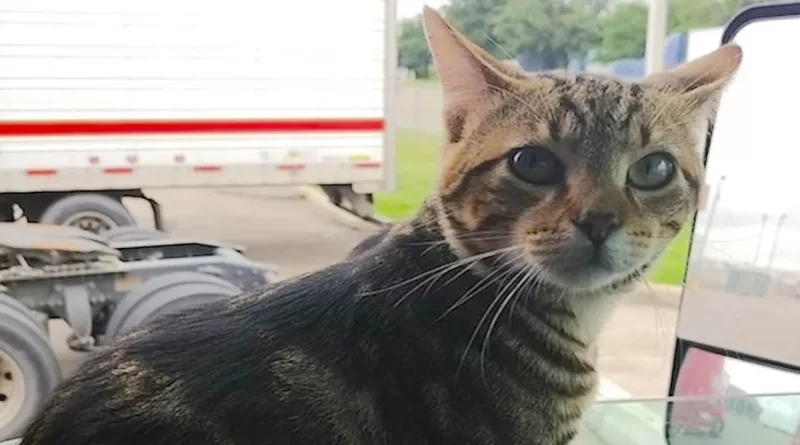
[(736, 371)]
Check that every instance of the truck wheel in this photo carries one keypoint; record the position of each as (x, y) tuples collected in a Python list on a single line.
[(716, 428), (164, 294), (88, 211), (28, 367), (133, 233)]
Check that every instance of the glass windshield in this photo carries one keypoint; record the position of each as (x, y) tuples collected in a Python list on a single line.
[(730, 420), (744, 268)]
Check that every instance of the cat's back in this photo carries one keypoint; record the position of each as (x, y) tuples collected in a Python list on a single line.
[(217, 374)]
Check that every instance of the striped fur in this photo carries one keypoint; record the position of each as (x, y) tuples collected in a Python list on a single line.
[(473, 323)]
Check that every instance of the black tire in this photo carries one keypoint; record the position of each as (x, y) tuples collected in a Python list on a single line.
[(334, 194), (133, 233), (100, 212), (675, 430), (166, 294), (25, 343), (717, 428)]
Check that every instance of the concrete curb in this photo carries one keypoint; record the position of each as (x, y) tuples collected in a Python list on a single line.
[(316, 196)]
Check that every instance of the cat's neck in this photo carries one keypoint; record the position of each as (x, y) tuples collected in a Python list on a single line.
[(431, 242)]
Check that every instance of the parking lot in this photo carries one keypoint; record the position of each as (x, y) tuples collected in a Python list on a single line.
[(279, 226)]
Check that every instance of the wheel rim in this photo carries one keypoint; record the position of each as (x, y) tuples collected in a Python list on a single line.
[(91, 221), (12, 389), (676, 430)]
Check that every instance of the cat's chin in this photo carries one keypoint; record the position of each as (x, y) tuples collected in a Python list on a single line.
[(588, 275), (586, 278)]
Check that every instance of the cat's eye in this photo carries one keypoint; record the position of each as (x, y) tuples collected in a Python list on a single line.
[(536, 165), (652, 172)]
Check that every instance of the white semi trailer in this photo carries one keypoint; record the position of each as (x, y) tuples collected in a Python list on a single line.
[(103, 99)]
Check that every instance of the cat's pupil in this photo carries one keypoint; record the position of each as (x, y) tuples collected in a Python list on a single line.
[(654, 164), (536, 165)]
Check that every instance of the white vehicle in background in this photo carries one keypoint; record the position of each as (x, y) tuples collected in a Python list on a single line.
[(102, 99)]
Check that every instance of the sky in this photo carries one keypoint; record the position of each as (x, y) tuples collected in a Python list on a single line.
[(410, 8)]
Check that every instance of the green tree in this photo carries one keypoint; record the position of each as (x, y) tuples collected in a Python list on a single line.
[(474, 19), (412, 48), (685, 15), (553, 28), (624, 26), (622, 32)]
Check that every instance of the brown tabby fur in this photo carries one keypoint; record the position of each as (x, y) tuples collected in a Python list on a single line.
[(474, 322)]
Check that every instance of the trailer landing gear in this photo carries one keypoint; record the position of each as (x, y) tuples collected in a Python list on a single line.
[(359, 204)]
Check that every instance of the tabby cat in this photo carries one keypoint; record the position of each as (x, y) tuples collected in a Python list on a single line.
[(474, 322)]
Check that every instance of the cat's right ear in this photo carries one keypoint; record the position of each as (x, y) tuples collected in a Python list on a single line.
[(699, 83), (469, 76)]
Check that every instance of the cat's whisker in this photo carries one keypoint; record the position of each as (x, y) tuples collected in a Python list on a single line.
[(478, 232), (432, 279), (470, 261), (483, 283), (529, 272), (465, 270), (434, 244), (535, 281), (476, 237), (483, 318), (563, 294), (659, 322), (470, 236), (536, 286), (428, 273)]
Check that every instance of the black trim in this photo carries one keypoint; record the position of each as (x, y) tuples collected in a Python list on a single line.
[(746, 16), (741, 356), (754, 13)]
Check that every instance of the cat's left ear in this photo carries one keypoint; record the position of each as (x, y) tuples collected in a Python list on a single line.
[(701, 81), (468, 74)]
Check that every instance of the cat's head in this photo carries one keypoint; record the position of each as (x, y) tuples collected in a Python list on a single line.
[(585, 178)]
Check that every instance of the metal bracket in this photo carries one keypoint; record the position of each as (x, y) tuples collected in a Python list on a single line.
[(158, 217), (78, 314), (360, 204)]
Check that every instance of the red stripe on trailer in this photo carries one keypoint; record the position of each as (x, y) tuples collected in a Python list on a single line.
[(41, 172), (118, 170), (368, 164), (291, 167), (207, 168), (86, 127)]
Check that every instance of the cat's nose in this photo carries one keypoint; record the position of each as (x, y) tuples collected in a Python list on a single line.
[(597, 225)]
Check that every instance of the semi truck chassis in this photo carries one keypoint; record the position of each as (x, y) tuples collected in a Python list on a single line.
[(102, 285)]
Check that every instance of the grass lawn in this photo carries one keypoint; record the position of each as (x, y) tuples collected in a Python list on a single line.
[(417, 164), (671, 267)]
